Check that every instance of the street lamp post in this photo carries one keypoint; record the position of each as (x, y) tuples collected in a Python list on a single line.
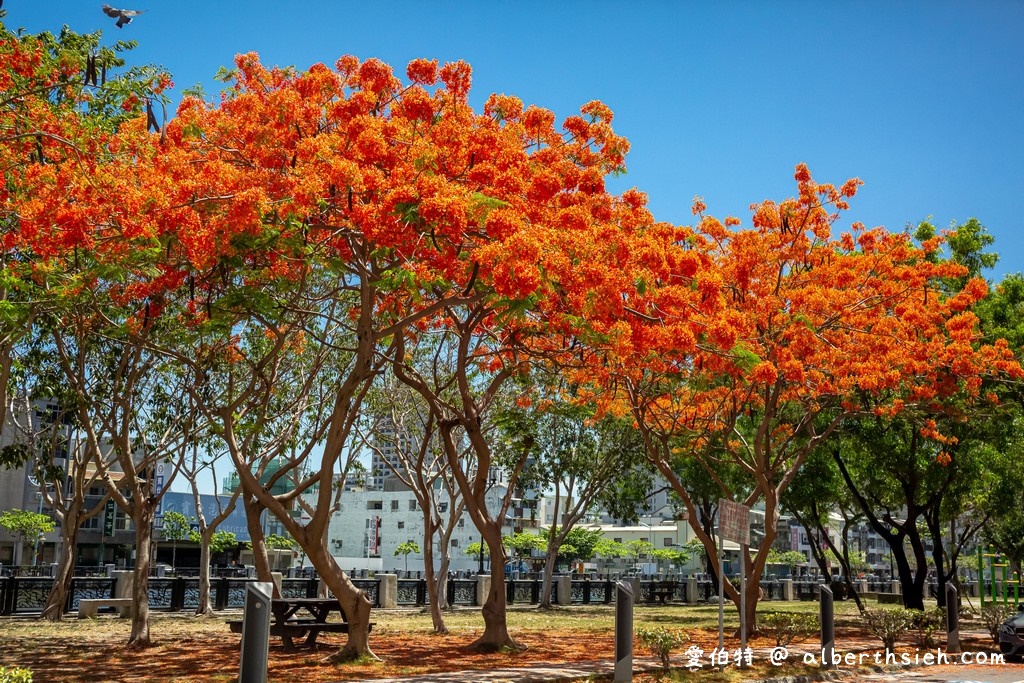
[(39, 537), (35, 548)]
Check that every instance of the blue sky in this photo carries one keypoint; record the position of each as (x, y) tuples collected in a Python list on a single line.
[(924, 101)]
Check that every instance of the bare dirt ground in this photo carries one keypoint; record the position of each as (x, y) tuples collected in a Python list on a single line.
[(203, 650)]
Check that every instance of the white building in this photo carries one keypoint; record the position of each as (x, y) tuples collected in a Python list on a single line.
[(371, 524)]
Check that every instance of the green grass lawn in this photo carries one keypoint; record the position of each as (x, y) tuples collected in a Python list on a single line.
[(600, 617)]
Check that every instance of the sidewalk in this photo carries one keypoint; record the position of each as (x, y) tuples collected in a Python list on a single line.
[(539, 673), (536, 673)]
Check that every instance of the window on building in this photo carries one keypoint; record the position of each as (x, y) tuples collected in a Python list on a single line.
[(401, 525), (455, 543), (443, 506), (122, 522), (375, 505), (667, 542), (394, 505), (462, 523), (617, 540), (412, 506)]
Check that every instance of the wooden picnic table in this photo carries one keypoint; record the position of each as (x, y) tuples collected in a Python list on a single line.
[(295, 618), (662, 591), (319, 609)]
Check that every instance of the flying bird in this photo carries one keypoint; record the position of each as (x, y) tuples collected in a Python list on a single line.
[(123, 16)]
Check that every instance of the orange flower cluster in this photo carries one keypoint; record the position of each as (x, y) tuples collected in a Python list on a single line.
[(403, 188), (786, 319)]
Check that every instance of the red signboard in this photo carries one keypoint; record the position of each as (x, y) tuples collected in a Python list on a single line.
[(374, 540)]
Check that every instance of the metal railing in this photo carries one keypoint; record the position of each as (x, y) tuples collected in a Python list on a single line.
[(27, 594)]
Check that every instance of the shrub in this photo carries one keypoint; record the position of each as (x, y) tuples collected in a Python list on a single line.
[(15, 675), (787, 627), (888, 625), (927, 625), (661, 641), (993, 616)]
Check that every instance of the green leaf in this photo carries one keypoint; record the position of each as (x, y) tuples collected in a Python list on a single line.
[(745, 359)]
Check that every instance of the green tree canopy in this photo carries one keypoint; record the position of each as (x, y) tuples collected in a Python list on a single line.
[(176, 526), (28, 526)]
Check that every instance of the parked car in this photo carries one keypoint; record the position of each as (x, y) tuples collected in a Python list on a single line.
[(1011, 635)]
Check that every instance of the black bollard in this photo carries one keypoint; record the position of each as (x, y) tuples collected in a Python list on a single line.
[(252, 667), (623, 632), (952, 620), (828, 627)]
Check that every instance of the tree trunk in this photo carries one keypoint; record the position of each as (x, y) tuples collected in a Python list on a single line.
[(843, 557), (920, 577), (139, 637), (549, 577), (205, 606), (433, 585), (938, 552), (353, 601), (706, 520), (753, 592), (53, 610), (911, 589), (912, 597), (253, 512), (495, 636)]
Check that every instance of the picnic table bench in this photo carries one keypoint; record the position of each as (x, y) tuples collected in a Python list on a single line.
[(662, 591), (288, 626)]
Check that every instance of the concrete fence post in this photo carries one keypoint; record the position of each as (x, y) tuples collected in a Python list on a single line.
[(895, 587), (388, 591), (692, 596), (563, 590), (123, 582), (787, 590)]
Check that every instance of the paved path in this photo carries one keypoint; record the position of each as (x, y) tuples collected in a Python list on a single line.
[(536, 673), (1008, 673), (542, 673)]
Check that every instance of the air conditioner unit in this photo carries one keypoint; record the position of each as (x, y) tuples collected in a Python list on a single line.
[(336, 542)]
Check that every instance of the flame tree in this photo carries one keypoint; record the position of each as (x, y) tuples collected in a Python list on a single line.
[(331, 212), (748, 347)]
